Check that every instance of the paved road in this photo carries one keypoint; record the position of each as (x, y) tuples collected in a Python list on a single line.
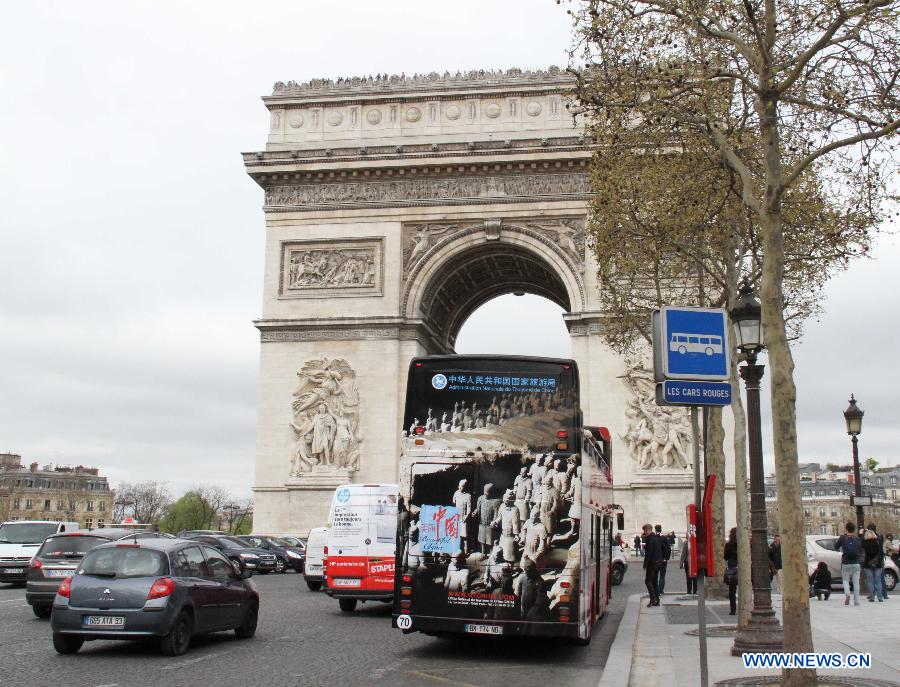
[(303, 639)]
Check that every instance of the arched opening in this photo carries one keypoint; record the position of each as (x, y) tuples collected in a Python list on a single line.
[(468, 279), (516, 325)]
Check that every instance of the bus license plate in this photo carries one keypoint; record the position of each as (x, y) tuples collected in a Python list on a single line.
[(346, 582), (60, 573), (484, 629), (105, 620)]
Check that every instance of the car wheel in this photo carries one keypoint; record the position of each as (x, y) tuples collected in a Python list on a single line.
[(280, 565), (890, 580), (347, 605), (248, 628), (617, 574), (682, 350), (42, 610), (179, 638), (314, 585), (67, 644)]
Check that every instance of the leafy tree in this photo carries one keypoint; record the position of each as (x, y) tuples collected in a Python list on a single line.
[(191, 512), (816, 83), (871, 464)]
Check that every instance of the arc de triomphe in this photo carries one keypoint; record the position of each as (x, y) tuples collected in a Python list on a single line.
[(394, 208)]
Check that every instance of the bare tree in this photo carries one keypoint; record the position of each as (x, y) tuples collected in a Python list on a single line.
[(817, 84), (146, 502)]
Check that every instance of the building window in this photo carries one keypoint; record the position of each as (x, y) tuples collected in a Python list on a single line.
[(59, 504), (809, 529), (103, 506), (806, 492), (833, 492), (824, 529), (16, 503), (46, 504), (101, 522), (834, 530), (88, 523), (822, 513), (72, 504), (806, 512), (834, 511), (865, 480), (29, 482), (893, 480), (90, 506), (28, 505), (879, 481)]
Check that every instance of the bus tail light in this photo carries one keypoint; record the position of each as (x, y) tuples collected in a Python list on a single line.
[(564, 584), (407, 578), (406, 591), (564, 598), (420, 442), (420, 430), (405, 604), (562, 440)]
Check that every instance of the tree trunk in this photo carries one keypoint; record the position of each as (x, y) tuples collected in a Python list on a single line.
[(795, 601), (714, 453)]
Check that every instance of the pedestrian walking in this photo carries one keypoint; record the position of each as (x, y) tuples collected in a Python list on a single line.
[(851, 549), (686, 565), (775, 562), (638, 550), (731, 569), (653, 561), (873, 564), (667, 554), (882, 545), (820, 581)]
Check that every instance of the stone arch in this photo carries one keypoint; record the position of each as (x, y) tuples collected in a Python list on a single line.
[(476, 263)]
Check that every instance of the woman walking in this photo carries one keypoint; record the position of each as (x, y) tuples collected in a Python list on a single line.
[(686, 564), (874, 564), (731, 569)]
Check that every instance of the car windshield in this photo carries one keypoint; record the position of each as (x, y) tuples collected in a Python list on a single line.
[(124, 561), (291, 541), (69, 546), (26, 532), (281, 542)]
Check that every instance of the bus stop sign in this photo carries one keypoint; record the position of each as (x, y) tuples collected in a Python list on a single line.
[(690, 343)]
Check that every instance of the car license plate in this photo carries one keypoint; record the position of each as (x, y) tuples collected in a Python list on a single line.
[(13, 571), (105, 620), (484, 629), (346, 582), (60, 573), (314, 568)]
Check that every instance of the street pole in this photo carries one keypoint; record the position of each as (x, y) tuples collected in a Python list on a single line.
[(701, 573), (763, 631), (857, 483)]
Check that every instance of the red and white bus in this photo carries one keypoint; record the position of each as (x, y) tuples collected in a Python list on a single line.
[(360, 548), (505, 522)]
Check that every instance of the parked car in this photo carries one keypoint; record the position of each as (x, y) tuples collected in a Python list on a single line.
[(287, 556), (293, 541), (188, 533), (314, 571), (59, 556), (20, 540), (619, 566), (821, 547), (172, 589), (249, 557)]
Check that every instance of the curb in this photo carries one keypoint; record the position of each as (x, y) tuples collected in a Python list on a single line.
[(617, 671)]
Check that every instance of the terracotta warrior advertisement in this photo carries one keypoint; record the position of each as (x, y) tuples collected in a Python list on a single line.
[(489, 526)]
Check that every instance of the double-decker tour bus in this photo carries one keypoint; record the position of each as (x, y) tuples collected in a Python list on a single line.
[(505, 516)]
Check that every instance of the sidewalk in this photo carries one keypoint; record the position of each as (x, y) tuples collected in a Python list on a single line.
[(652, 647)]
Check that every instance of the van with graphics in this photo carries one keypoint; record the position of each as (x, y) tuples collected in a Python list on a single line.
[(361, 546), (314, 572)]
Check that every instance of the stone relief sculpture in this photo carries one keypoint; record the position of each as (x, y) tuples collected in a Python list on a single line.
[(326, 418), (331, 268), (568, 234), (657, 437), (420, 237)]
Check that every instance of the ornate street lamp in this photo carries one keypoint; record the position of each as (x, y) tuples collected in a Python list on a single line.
[(854, 416), (763, 631)]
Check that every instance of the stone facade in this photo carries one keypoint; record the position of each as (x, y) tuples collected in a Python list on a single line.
[(394, 208), (54, 493)]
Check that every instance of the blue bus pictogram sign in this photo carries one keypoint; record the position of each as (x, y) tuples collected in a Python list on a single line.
[(691, 343)]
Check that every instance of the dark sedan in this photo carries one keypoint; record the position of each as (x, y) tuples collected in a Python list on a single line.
[(288, 556), (167, 588), (58, 558), (248, 557)]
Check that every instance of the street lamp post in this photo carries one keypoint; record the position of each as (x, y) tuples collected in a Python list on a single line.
[(763, 631), (854, 416)]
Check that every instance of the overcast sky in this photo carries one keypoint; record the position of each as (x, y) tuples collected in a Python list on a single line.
[(131, 240)]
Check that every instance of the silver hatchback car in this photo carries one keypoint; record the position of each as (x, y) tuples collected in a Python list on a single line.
[(821, 547), (166, 588)]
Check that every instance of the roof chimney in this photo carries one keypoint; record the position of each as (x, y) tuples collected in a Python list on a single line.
[(34, 467)]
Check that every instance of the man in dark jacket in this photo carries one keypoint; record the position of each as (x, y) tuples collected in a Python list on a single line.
[(667, 554), (654, 559), (775, 562)]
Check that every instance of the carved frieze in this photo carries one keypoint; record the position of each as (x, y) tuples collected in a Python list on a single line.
[(328, 334), (657, 437), (325, 418), (436, 191), (342, 267)]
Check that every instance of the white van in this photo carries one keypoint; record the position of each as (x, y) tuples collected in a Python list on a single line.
[(314, 570), (361, 549), (20, 540)]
